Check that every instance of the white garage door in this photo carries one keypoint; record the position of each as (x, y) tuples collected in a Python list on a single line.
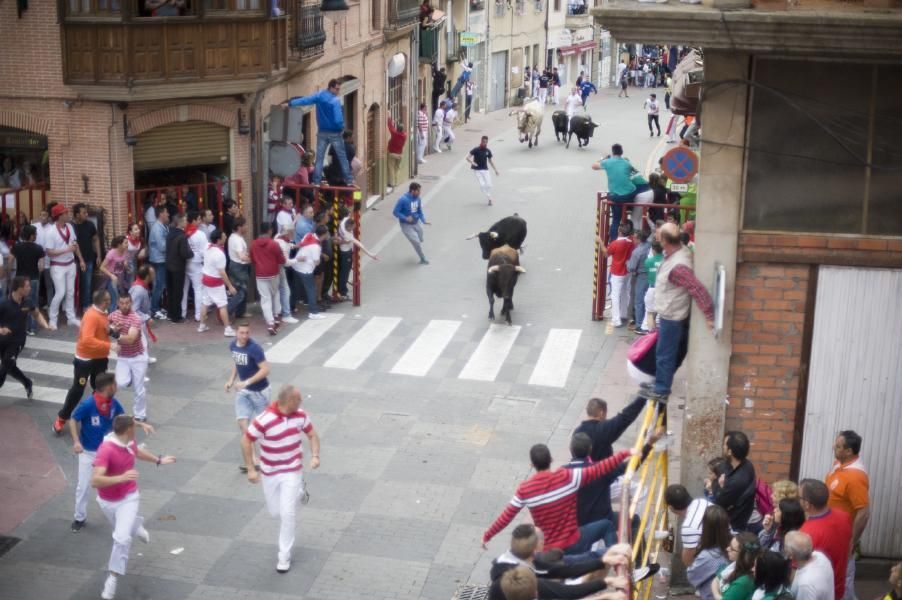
[(855, 383)]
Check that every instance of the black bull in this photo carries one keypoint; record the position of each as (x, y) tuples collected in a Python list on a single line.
[(501, 279), (509, 230), (581, 126)]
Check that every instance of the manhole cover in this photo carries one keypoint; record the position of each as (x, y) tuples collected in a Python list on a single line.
[(7, 543), (471, 592)]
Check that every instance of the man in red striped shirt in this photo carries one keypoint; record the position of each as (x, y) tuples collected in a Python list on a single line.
[(278, 429), (551, 497)]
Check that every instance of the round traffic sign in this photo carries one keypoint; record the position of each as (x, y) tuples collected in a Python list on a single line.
[(680, 164)]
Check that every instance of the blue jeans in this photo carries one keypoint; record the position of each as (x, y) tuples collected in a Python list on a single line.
[(308, 280), (323, 140), (617, 210), (591, 533), (32, 324), (114, 292), (639, 299), (85, 279), (159, 286), (670, 336)]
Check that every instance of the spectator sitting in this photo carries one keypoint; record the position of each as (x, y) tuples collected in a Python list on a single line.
[(711, 554), (692, 513), (772, 577), (813, 578), (736, 489), (736, 581), (788, 516)]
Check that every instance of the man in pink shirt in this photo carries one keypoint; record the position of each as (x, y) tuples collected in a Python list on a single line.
[(278, 429), (116, 481), (131, 365)]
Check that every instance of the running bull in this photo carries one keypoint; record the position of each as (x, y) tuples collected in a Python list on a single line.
[(529, 122), (501, 279), (582, 126), (509, 230)]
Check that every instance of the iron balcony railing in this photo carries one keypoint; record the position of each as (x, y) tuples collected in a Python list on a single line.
[(309, 33)]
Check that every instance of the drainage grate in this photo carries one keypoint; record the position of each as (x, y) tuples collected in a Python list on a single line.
[(471, 592), (7, 543)]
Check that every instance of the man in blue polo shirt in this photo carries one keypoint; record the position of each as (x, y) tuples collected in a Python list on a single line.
[(248, 378), (330, 123), (91, 420)]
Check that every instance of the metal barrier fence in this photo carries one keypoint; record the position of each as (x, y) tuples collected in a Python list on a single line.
[(208, 195), (602, 221), (25, 202), (334, 197)]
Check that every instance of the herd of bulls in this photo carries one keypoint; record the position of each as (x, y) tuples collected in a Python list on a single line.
[(501, 246), (529, 125)]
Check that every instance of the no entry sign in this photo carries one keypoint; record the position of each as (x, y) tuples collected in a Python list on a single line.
[(680, 165)]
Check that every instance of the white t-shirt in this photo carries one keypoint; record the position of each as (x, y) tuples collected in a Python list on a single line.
[(311, 255), (572, 102), (198, 243), (450, 115), (691, 530), (237, 247), (284, 219), (207, 228), (214, 262), (54, 240), (345, 237), (651, 106), (814, 581), (439, 117), (620, 69)]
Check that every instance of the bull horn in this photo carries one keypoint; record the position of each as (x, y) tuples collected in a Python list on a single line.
[(494, 269), (493, 235), (519, 269), (472, 236)]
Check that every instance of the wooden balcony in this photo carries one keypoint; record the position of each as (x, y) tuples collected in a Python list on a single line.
[(117, 58)]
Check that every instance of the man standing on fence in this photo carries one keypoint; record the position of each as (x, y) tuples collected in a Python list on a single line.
[(62, 248), (330, 122), (675, 287), (395, 151)]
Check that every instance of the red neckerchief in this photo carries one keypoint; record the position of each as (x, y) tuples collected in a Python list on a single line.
[(134, 241), (103, 404), (190, 229), (66, 229), (142, 283), (309, 240)]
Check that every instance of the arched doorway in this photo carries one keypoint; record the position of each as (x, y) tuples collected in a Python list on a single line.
[(24, 172), (372, 150)]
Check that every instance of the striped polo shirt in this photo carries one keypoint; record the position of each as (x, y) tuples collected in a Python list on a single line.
[(280, 439), (126, 322)]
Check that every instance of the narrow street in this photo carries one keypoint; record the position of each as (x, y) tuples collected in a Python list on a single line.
[(425, 409)]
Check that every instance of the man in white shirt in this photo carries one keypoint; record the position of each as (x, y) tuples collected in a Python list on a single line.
[(215, 281), (448, 126), (308, 256), (42, 227), (691, 512), (198, 242), (573, 101), (814, 573), (207, 225), (652, 109), (438, 124), (62, 248), (286, 216), (239, 265)]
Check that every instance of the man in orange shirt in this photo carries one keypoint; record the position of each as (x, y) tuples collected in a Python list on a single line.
[(91, 351), (848, 484)]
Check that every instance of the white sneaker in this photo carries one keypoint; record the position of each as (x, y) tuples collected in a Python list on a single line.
[(202, 328), (109, 588), (282, 566), (151, 360), (228, 332), (143, 535), (289, 319), (316, 316), (74, 322)]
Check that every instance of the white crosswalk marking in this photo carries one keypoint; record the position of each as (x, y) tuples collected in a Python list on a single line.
[(426, 349), (44, 367), (41, 343), (556, 358), (300, 339), (14, 389), (491, 353), (363, 343)]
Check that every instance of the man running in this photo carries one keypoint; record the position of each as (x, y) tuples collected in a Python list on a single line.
[(216, 281), (116, 481), (480, 158), (652, 110), (14, 314), (409, 212), (92, 350), (248, 378), (131, 364), (281, 455)]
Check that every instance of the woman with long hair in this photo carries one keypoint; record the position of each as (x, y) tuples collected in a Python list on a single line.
[(711, 554), (736, 581), (136, 251), (772, 577), (788, 516)]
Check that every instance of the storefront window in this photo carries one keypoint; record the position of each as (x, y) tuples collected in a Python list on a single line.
[(86, 8), (23, 159)]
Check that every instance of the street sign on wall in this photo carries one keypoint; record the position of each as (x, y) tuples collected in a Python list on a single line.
[(468, 38), (680, 165)]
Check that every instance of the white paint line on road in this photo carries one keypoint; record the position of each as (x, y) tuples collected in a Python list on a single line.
[(14, 389), (300, 339), (39, 343), (363, 343), (491, 353), (426, 349), (43, 367), (556, 358)]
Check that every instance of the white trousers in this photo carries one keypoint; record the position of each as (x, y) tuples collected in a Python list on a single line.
[(269, 298), (649, 323), (620, 297), (646, 197), (282, 493), (131, 370), (484, 178), (448, 136), (438, 137), (85, 470), (555, 93), (123, 516), (421, 146), (850, 580), (63, 287), (193, 279), (543, 95)]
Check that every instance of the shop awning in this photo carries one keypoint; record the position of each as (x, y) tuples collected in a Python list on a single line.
[(577, 48)]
